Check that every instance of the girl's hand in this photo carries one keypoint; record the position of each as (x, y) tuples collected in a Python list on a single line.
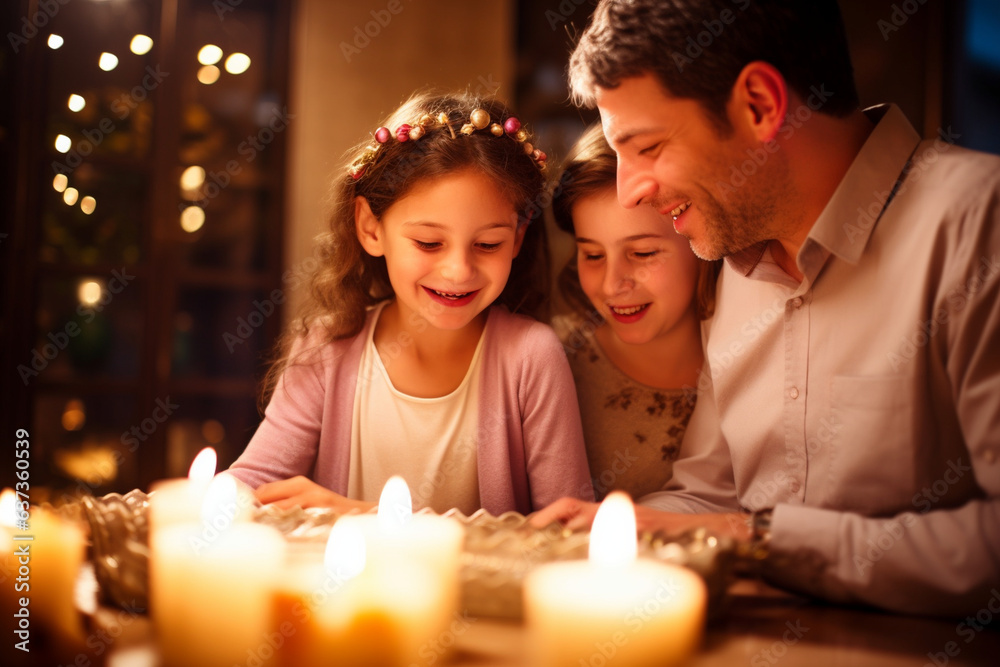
[(579, 515), (573, 513), (303, 492)]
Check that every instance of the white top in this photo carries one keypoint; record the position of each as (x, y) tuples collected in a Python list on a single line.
[(429, 442)]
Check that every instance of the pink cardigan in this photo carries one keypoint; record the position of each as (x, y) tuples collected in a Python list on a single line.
[(530, 450)]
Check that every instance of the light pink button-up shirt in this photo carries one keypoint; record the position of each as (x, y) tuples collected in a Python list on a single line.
[(863, 403)]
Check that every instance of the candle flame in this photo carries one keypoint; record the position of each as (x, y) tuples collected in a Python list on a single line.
[(395, 508), (203, 466), (220, 501), (613, 538), (345, 550), (8, 508)]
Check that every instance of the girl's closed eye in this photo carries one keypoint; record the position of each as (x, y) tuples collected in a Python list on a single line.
[(645, 254), (489, 247), (427, 245)]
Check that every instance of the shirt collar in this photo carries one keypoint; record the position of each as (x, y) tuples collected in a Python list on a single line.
[(846, 224), (847, 221)]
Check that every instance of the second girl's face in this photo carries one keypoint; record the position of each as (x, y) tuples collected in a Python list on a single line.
[(635, 269), (448, 246)]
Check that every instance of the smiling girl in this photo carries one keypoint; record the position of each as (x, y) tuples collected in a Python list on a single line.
[(409, 361), (637, 355)]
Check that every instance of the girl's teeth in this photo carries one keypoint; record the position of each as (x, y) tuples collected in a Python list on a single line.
[(447, 295), (631, 310), (680, 209)]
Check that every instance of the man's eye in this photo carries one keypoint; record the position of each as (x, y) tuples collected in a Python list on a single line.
[(649, 150)]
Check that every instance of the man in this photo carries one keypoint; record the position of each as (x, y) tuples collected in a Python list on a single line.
[(848, 415)]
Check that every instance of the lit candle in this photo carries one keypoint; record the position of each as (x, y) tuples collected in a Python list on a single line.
[(613, 608), (174, 501), (57, 550), (347, 613), (395, 533), (41, 561), (211, 583), (389, 611), (10, 589)]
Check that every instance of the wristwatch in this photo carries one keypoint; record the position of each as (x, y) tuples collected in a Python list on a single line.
[(760, 530)]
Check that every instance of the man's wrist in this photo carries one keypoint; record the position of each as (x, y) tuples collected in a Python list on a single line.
[(759, 523)]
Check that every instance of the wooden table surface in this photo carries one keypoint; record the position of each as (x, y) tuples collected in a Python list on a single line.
[(759, 627)]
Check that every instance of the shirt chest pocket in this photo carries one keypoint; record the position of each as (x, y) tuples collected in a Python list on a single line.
[(872, 463)]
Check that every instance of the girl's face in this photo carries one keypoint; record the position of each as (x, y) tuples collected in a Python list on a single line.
[(448, 245), (635, 269)]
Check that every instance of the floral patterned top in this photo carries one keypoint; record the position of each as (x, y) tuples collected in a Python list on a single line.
[(633, 432)]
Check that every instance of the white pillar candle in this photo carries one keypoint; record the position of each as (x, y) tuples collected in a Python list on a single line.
[(12, 589), (394, 534), (41, 562), (346, 613), (613, 608), (389, 611), (211, 585), (178, 501)]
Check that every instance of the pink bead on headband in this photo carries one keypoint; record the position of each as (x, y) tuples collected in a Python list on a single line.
[(479, 119)]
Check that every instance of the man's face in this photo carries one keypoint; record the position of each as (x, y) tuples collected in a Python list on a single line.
[(673, 158)]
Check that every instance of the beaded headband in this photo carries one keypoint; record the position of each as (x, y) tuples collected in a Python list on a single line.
[(479, 119)]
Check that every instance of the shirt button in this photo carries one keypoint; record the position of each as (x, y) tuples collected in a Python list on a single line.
[(990, 456), (794, 486), (793, 393), (797, 302)]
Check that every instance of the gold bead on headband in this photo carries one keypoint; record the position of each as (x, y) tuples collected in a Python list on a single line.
[(479, 119)]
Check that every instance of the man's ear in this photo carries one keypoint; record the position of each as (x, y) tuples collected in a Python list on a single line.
[(368, 227), (759, 100)]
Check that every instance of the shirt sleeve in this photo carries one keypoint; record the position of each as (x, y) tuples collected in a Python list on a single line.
[(703, 474), (286, 442), (555, 456), (939, 559)]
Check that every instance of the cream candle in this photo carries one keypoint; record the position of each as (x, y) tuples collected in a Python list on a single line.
[(613, 606), (211, 584), (175, 501), (395, 535), (11, 589), (346, 613)]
